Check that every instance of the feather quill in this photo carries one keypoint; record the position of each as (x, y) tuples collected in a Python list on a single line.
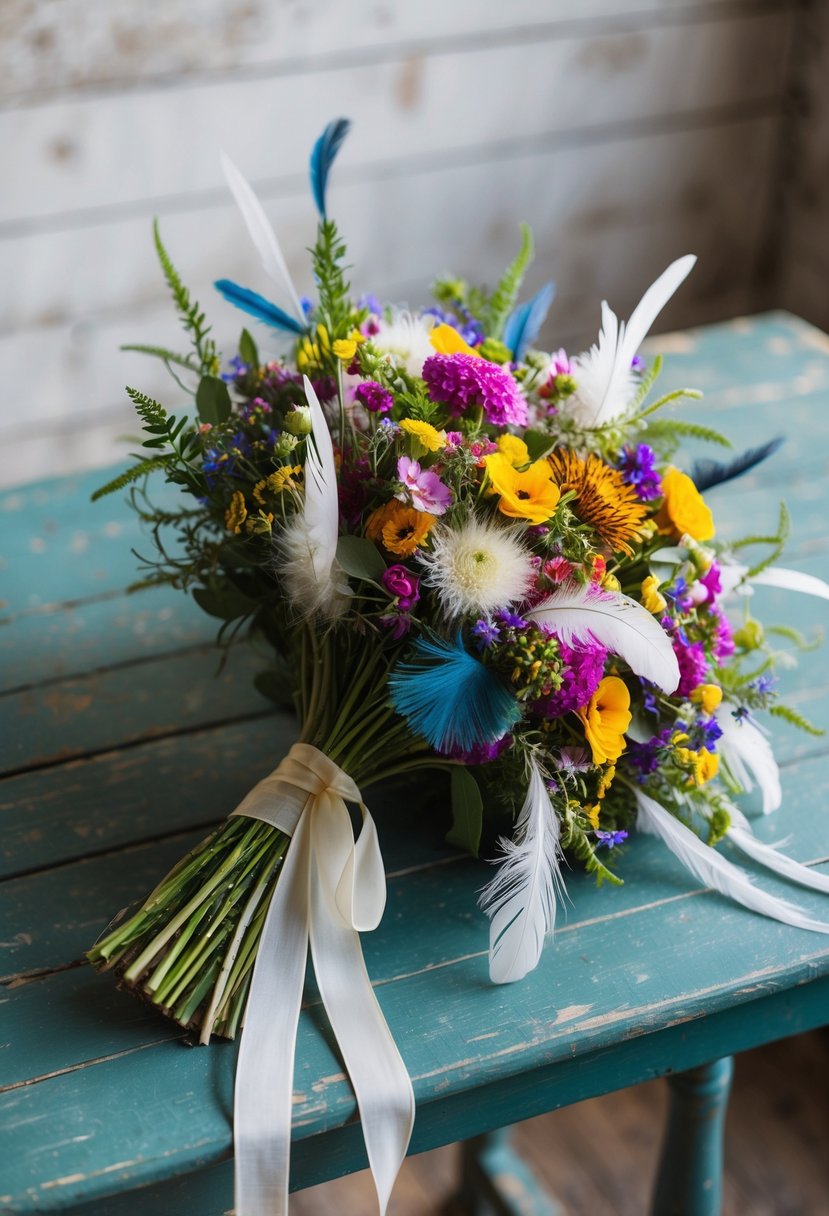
[(524, 323), (581, 614), (521, 898), (257, 306), (261, 232), (313, 577), (741, 835), (709, 473), (733, 573), (747, 754), (323, 155), (604, 377), (706, 864)]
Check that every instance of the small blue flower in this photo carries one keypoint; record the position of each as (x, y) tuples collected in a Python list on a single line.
[(486, 632), (610, 839), (511, 620), (763, 685)]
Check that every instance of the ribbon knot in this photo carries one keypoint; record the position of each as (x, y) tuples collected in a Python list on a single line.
[(331, 887)]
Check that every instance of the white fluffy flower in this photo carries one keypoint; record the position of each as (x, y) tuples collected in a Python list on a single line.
[(477, 567), (406, 338)]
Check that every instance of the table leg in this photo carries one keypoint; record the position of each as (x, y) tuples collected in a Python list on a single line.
[(496, 1182), (689, 1181)]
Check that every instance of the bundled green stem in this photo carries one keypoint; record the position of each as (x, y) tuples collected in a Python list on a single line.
[(190, 949)]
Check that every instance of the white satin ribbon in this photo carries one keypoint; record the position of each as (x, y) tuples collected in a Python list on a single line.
[(330, 889)]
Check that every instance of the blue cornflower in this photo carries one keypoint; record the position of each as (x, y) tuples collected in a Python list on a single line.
[(610, 839), (237, 368), (511, 620), (763, 685), (307, 306), (486, 632), (637, 468), (705, 733)]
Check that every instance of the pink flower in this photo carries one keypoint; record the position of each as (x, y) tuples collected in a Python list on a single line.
[(454, 439), (402, 585), (561, 364), (558, 569), (425, 489)]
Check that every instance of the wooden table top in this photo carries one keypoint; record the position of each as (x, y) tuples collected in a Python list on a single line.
[(120, 746)]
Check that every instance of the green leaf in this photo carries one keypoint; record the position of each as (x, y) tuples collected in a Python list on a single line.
[(161, 352), (467, 811), (213, 400), (538, 444), (796, 719), (247, 349), (360, 558), (139, 469), (226, 601), (505, 295), (676, 426)]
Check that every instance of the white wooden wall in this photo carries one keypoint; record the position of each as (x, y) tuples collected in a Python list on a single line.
[(626, 132)]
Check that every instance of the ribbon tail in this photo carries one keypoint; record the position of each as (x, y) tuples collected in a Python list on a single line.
[(265, 1068), (378, 1075)]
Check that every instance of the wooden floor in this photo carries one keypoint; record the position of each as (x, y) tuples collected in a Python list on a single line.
[(598, 1157)]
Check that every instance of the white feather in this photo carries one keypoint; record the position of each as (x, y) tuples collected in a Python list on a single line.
[(521, 899), (605, 383), (261, 232), (313, 577), (706, 864), (767, 855), (774, 576), (747, 754), (581, 614)]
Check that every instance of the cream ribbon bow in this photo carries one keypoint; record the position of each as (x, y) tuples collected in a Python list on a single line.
[(330, 889)]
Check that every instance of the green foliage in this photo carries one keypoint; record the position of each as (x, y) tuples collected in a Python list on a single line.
[(677, 395), (140, 469), (795, 719), (649, 378), (165, 429), (575, 839), (161, 352), (335, 311), (503, 299), (778, 543), (224, 600), (467, 811), (213, 400), (718, 825), (188, 309), (676, 428), (248, 351), (360, 558)]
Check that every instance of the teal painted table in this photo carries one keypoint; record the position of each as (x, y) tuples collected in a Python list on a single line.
[(120, 745)]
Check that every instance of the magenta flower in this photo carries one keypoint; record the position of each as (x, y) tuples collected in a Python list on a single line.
[(692, 665), (401, 585), (425, 489), (724, 638), (466, 383), (373, 397), (561, 363), (397, 624), (711, 581), (580, 677)]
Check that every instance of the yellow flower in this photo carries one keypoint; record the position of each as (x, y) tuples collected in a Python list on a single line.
[(447, 341), (236, 513), (514, 450), (603, 499), (346, 348), (703, 764), (591, 812), (430, 439), (606, 781), (310, 355), (281, 479), (652, 598), (605, 718), (531, 494), (399, 528), (683, 511), (708, 696), (611, 583)]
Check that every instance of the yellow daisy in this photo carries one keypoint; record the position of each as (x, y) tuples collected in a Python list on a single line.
[(603, 499)]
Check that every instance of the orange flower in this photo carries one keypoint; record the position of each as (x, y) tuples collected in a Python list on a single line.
[(605, 718), (683, 511), (531, 494), (400, 529)]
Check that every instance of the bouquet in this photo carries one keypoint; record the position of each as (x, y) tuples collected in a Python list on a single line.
[(466, 554)]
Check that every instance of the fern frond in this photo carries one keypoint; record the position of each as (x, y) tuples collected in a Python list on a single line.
[(502, 301), (134, 473), (161, 352), (676, 427), (778, 542), (649, 378), (795, 719), (192, 318), (150, 411), (677, 395)]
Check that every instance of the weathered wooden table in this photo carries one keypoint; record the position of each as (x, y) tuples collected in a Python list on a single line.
[(120, 745)]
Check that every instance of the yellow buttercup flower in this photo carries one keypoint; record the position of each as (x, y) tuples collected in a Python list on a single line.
[(652, 598), (591, 812), (236, 513), (531, 494), (605, 718), (703, 764), (428, 436), (400, 529), (514, 450), (346, 348), (606, 781), (447, 341), (708, 696), (683, 511)]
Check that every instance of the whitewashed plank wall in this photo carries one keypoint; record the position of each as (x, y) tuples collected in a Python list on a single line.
[(625, 131)]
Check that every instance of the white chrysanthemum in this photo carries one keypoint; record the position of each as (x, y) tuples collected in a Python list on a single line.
[(477, 568), (406, 338)]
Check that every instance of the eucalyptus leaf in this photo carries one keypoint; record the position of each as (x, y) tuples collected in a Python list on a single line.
[(467, 811), (213, 400), (225, 601), (360, 558)]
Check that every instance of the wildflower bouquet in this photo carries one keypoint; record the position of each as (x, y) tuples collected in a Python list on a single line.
[(467, 554)]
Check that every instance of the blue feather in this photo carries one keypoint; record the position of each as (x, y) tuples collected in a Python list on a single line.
[(450, 698), (709, 473), (258, 306), (524, 324), (323, 155)]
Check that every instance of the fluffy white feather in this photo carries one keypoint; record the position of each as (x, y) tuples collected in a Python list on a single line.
[(603, 374), (747, 754), (261, 232), (521, 899), (715, 871), (313, 577), (741, 835), (581, 613)]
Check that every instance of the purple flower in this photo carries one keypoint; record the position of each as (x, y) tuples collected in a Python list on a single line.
[(397, 624), (637, 467), (711, 581), (238, 368), (724, 639), (580, 677), (692, 666), (467, 382), (454, 439), (402, 585), (425, 489), (763, 685), (483, 753), (512, 620), (573, 760), (367, 300), (637, 364), (610, 839), (705, 733), (486, 632), (645, 757), (373, 397)]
